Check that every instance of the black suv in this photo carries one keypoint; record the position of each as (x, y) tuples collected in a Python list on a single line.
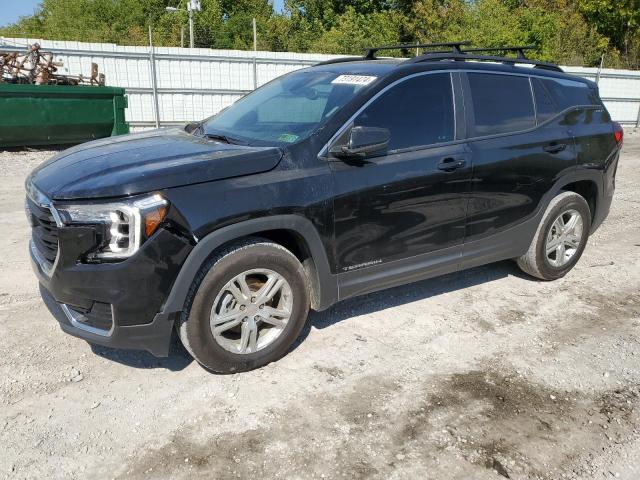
[(340, 179)]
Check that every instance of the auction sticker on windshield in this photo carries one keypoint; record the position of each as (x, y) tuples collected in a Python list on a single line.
[(288, 137), (354, 79)]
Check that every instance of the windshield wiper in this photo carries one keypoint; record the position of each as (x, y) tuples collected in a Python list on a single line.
[(224, 138)]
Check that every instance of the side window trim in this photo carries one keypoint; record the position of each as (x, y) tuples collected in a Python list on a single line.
[(453, 107), (535, 104), (568, 110), (324, 152)]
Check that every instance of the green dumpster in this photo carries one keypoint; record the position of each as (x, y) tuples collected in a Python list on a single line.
[(57, 114)]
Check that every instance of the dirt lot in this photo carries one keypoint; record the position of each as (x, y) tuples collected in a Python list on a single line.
[(481, 374)]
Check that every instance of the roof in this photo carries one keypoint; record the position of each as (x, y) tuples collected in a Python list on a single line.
[(361, 67), (387, 66)]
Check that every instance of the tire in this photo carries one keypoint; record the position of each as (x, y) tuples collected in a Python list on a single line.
[(217, 294), (536, 261)]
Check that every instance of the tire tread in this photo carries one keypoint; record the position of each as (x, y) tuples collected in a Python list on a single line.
[(235, 248)]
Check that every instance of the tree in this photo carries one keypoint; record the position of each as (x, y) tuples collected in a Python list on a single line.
[(236, 29), (566, 31), (354, 31), (327, 12), (91, 20), (618, 20)]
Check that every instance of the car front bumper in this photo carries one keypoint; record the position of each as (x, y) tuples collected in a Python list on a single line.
[(154, 337), (117, 305)]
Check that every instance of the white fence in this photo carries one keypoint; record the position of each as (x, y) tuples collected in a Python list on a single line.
[(191, 84)]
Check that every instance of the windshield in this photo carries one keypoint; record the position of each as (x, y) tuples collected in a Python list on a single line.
[(287, 109)]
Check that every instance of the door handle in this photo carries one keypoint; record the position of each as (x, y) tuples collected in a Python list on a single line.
[(555, 147), (450, 164)]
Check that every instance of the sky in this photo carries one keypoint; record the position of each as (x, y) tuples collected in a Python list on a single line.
[(10, 10)]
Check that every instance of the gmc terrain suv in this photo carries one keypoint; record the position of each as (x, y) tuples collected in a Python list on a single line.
[(348, 177)]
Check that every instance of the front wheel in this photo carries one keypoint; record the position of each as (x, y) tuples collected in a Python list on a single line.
[(560, 238), (246, 307)]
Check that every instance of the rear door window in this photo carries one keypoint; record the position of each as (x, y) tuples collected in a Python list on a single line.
[(501, 104), (418, 112)]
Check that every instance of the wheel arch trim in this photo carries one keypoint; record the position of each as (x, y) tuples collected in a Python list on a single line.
[(325, 282), (591, 175), (588, 176)]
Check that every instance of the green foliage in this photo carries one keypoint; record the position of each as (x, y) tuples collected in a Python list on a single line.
[(354, 31), (564, 31), (440, 20), (619, 21)]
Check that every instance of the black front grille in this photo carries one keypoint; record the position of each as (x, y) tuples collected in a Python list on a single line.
[(44, 231)]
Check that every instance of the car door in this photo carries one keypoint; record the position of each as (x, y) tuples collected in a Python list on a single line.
[(516, 156), (409, 200), (589, 121)]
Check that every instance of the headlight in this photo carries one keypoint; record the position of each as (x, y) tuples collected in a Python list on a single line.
[(126, 224)]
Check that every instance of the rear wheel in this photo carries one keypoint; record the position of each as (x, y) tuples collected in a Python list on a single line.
[(246, 307), (560, 238)]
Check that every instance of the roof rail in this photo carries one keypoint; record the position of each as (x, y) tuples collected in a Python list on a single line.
[(456, 53), (338, 60), (432, 57), (370, 53), (518, 50)]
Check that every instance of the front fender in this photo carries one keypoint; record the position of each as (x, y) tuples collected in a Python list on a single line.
[(325, 283)]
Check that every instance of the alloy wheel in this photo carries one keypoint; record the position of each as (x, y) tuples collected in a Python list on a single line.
[(251, 311), (564, 238)]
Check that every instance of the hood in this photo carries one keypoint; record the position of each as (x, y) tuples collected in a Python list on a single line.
[(145, 162)]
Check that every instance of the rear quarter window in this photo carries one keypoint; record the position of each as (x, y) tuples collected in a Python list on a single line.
[(571, 93), (501, 104), (546, 106)]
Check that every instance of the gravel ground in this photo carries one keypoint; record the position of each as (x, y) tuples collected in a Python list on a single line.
[(483, 374)]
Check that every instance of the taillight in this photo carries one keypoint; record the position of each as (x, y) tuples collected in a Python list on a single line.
[(618, 133)]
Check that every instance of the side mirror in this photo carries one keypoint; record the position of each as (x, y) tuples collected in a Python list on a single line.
[(191, 127), (363, 141)]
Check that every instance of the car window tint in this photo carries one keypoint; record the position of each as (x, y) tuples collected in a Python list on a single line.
[(417, 112), (546, 107), (501, 103), (571, 93)]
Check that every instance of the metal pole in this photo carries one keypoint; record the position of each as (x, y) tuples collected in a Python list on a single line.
[(255, 50), (255, 36), (600, 69), (190, 26), (154, 85), (638, 120)]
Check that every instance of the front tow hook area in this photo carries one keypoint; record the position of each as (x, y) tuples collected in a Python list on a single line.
[(154, 337)]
